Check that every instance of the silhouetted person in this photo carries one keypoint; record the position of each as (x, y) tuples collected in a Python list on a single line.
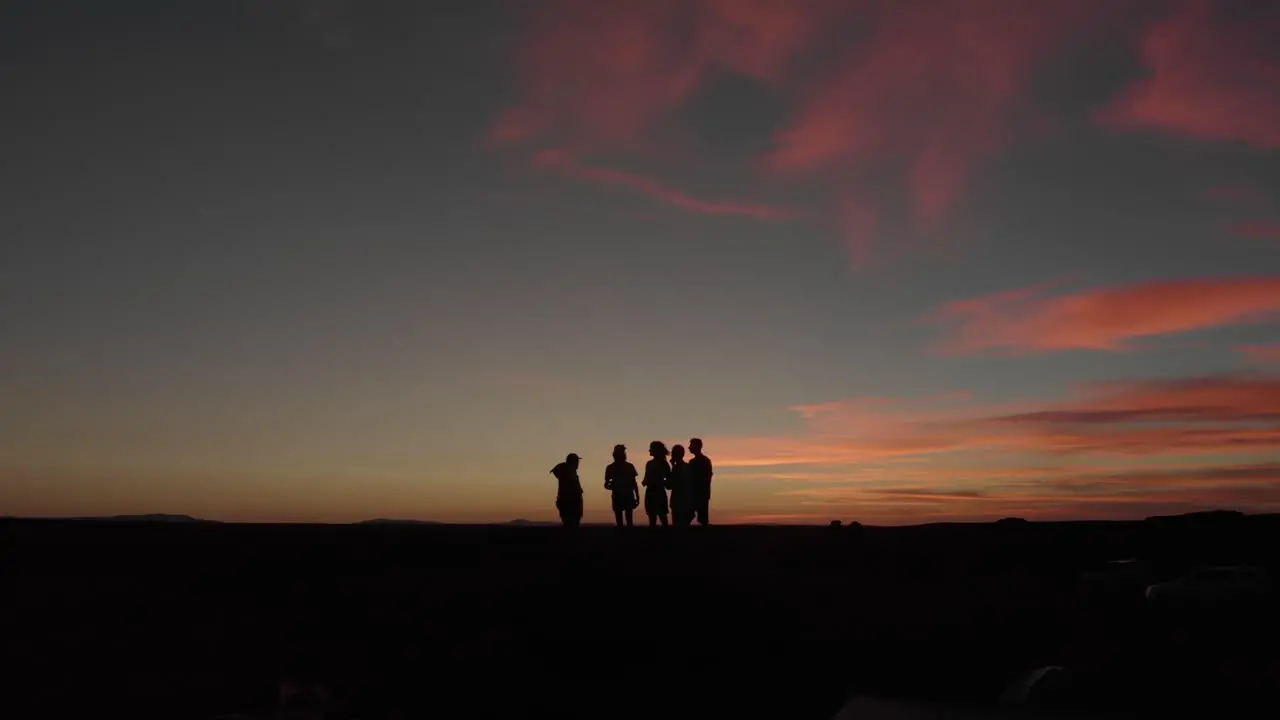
[(680, 481), (620, 478), (700, 475), (656, 475), (568, 491)]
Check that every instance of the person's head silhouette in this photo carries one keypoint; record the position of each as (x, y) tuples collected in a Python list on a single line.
[(572, 460), (657, 449), (695, 446), (677, 453), (619, 453)]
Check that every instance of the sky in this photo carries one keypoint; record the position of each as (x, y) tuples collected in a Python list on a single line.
[(894, 261)]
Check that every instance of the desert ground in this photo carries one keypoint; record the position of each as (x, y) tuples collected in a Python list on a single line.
[(197, 620)]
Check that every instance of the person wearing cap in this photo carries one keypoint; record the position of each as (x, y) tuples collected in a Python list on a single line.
[(620, 479), (569, 491)]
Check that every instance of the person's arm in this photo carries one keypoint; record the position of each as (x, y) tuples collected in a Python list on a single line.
[(608, 481), (635, 488)]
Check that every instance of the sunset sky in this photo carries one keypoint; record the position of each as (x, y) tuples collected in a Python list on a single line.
[(895, 261)]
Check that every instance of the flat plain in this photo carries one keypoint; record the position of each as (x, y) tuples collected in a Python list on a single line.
[(194, 620)]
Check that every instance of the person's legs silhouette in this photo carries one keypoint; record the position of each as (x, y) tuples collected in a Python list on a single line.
[(617, 517), (630, 517)]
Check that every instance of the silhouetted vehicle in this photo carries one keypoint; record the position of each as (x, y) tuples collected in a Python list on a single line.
[(1212, 588), (1117, 581), (657, 474), (620, 480)]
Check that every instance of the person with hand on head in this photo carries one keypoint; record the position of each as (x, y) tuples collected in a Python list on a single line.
[(657, 474), (568, 491), (620, 479), (700, 472)]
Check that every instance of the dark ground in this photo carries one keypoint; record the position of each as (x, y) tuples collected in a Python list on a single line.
[(193, 620)]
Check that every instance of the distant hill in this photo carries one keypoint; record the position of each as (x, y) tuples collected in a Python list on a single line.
[(155, 517), (393, 521), (1209, 515)]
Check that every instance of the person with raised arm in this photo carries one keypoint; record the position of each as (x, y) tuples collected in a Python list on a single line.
[(568, 491)]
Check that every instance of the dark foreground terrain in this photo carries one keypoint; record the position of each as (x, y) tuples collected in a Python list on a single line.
[(195, 620)]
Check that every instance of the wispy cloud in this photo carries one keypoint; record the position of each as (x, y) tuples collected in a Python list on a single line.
[(607, 78), (1236, 195), (605, 74), (562, 162), (1262, 354), (1212, 76), (1257, 229), (1106, 450), (863, 117), (1026, 321)]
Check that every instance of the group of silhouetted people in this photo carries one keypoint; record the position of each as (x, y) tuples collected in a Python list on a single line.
[(688, 482)]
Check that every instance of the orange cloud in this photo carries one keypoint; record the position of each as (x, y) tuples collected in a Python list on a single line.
[(913, 505), (646, 186), (1063, 495), (1195, 416), (947, 457), (1213, 398), (1262, 354), (1213, 74), (1022, 321)]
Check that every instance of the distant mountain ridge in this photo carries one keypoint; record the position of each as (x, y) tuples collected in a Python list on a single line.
[(152, 517), (396, 521)]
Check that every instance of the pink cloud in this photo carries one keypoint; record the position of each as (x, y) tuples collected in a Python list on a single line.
[(1123, 493), (1023, 321), (1114, 449), (1262, 354), (914, 104), (606, 73), (1130, 497), (1236, 195), (646, 186), (886, 102), (902, 103), (1213, 74), (1258, 229), (1192, 416)]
